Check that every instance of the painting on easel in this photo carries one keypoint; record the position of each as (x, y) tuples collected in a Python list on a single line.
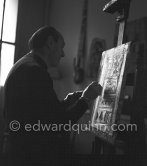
[(106, 107)]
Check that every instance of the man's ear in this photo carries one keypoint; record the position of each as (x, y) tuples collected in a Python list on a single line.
[(50, 42)]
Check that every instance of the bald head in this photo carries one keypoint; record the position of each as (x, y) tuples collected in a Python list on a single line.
[(48, 44), (39, 38)]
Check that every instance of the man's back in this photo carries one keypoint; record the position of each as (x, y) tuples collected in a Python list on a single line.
[(30, 99)]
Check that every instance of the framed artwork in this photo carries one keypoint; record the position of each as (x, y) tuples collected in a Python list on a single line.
[(106, 107)]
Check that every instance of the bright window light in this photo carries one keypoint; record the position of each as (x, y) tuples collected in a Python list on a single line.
[(8, 36), (1, 12), (10, 19), (7, 61)]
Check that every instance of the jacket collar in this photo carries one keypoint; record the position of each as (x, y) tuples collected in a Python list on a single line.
[(39, 60)]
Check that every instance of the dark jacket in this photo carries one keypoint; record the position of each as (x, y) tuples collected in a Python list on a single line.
[(31, 99)]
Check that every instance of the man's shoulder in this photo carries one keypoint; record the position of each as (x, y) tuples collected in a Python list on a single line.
[(25, 63), (27, 67)]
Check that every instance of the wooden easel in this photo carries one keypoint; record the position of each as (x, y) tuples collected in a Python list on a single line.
[(138, 99), (122, 8)]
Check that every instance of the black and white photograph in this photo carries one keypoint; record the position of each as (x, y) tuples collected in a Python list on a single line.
[(73, 82)]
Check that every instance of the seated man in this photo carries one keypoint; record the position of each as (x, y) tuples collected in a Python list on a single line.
[(33, 112)]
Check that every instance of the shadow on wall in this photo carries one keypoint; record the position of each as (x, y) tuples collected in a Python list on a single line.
[(1, 111)]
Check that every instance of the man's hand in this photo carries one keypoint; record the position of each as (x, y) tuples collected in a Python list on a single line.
[(71, 98), (92, 91)]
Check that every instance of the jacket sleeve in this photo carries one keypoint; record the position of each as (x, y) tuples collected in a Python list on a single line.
[(71, 98), (37, 88)]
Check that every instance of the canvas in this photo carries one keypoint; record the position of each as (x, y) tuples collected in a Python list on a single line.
[(106, 107)]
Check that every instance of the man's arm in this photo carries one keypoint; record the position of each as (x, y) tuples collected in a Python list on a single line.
[(50, 107)]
